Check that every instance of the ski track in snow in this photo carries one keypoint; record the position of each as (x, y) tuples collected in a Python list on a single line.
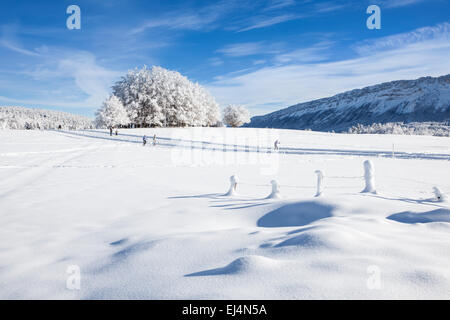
[(140, 226), (196, 144)]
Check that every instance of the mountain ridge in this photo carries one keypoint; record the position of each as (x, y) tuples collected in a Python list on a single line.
[(426, 99)]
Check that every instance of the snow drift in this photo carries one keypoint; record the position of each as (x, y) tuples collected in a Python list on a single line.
[(137, 224)]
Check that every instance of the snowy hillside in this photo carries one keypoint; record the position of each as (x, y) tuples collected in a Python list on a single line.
[(424, 99), (25, 118), (86, 215)]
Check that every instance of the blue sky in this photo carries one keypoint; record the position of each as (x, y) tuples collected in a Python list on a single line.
[(264, 54)]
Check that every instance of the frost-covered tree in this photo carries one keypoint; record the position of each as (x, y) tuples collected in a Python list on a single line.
[(236, 116), (158, 97), (441, 129), (26, 118), (112, 113)]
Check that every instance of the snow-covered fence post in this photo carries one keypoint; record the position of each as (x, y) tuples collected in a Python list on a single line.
[(369, 177), (275, 190), (319, 183), (233, 186), (439, 196)]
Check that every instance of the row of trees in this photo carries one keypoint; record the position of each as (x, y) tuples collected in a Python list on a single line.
[(158, 97), (26, 118), (413, 128)]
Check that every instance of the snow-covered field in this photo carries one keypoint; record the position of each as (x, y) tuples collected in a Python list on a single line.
[(152, 222)]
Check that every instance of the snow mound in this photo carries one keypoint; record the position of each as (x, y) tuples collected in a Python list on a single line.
[(137, 222), (233, 183), (439, 215), (306, 240), (275, 194), (296, 214), (248, 264), (321, 238)]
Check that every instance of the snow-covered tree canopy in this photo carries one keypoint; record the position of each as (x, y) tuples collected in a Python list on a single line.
[(112, 113), (159, 97), (440, 129), (26, 118), (235, 116)]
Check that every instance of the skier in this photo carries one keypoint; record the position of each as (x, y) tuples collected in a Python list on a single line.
[(276, 145), (110, 131), (144, 140), (154, 139)]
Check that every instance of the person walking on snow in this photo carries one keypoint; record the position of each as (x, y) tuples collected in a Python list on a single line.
[(117, 132), (110, 131), (276, 145), (154, 139), (144, 140)]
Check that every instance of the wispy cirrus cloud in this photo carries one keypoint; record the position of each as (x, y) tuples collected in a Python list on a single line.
[(277, 52), (438, 32), (211, 16), (190, 19), (248, 49), (272, 87), (17, 48), (249, 15), (264, 21), (317, 52), (324, 7), (399, 3), (279, 4), (180, 21), (215, 62), (308, 9), (63, 78), (8, 40)]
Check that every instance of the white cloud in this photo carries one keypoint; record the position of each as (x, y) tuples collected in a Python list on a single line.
[(209, 17), (242, 49), (16, 48), (438, 32), (65, 79), (215, 62), (174, 21), (399, 3), (8, 40), (279, 4), (92, 79), (261, 61), (325, 7), (318, 52), (280, 86), (263, 21), (188, 19), (257, 16)]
